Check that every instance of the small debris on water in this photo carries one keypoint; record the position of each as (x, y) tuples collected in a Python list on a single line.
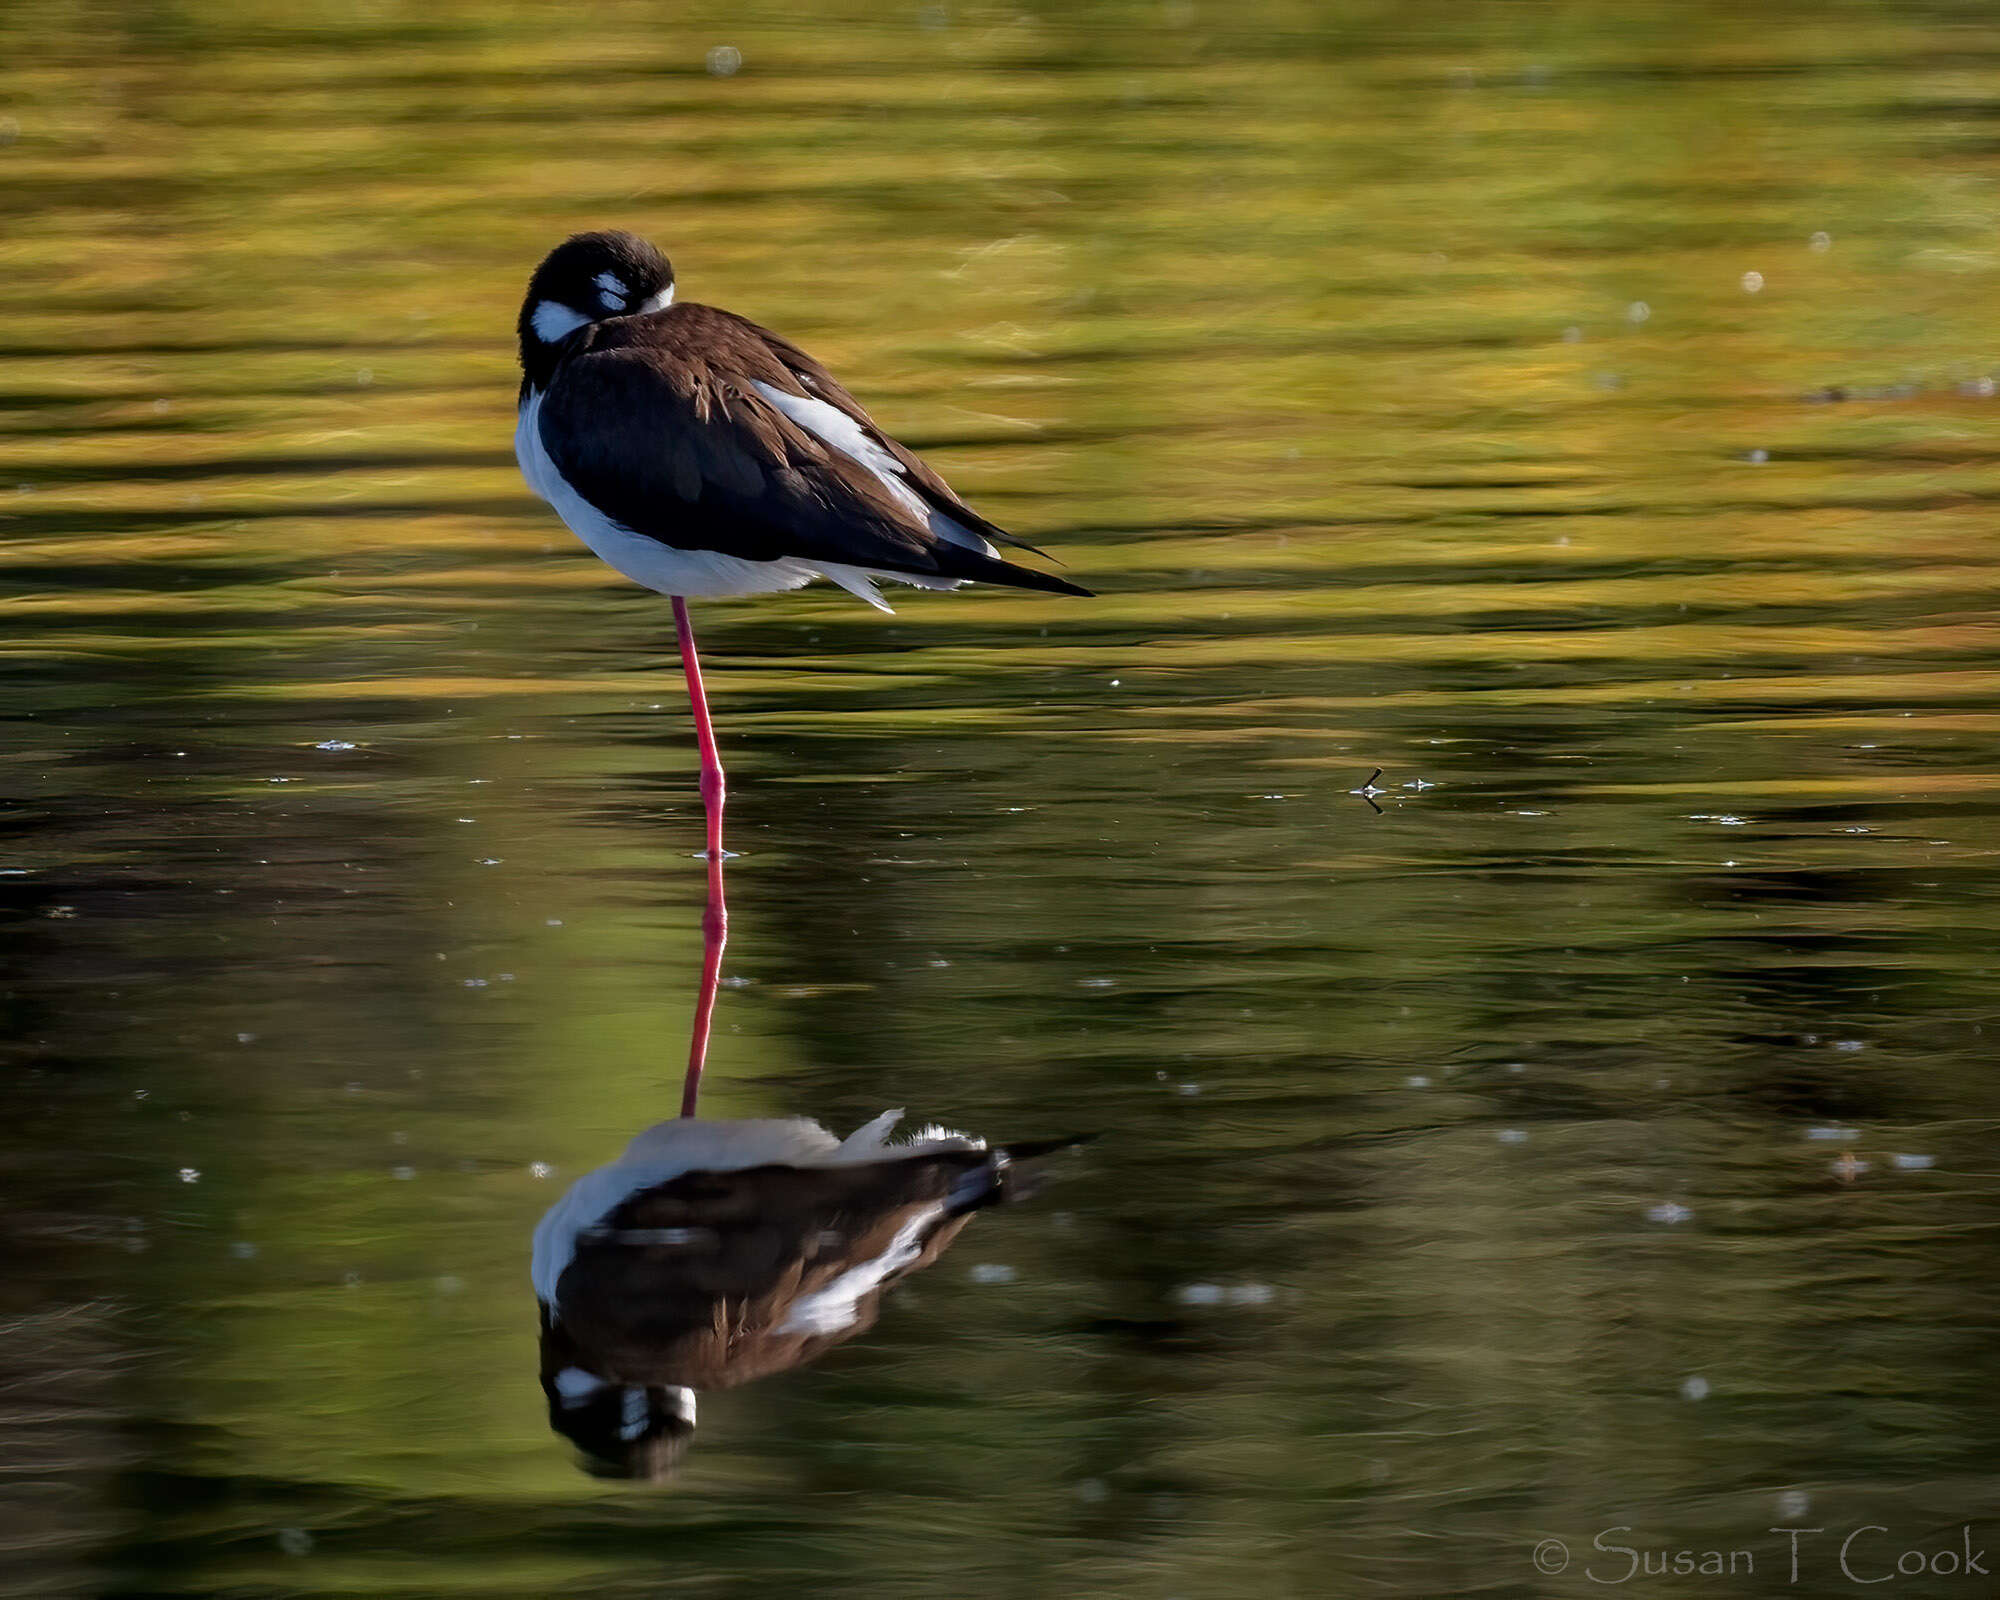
[(540, 1170), (992, 1272), (1512, 1136), (1904, 1162), (1826, 1134), (1668, 1212), (334, 744), (1694, 1388)]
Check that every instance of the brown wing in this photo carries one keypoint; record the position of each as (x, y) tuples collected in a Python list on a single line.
[(812, 379), (656, 421)]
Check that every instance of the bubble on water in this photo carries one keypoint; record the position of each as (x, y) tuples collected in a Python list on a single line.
[(1793, 1504), (1114, 683), (475, 983), (1752, 282), (190, 1174), (552, 922), (1825, 1134), (1913, 1163), (350, 1280), (1638, 311), (724, 61), (1512, 1136), (1093, 1491), (1848, 1046), (1251, 1294), (937, 961), (1758, 456), (1096, 983), (449, 1283), (1668, 1212), (491, 861), (1199, 1294), (295, 1541), (1694, 1388), (1187, 1088), (1572, 335), (402, 1174), (540, 1169), (1417, 1080), (246, 1038), (243, 1250), (334, 744), (992, 1272), (1820, 243)]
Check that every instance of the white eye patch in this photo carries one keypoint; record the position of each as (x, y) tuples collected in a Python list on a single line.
[(552, 320), (658, 302), (612, 287)]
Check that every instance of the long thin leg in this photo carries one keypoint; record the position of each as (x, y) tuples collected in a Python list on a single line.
[(712, 788), (715, 919)]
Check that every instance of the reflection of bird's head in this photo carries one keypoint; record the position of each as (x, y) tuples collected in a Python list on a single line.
[(624, 1430)]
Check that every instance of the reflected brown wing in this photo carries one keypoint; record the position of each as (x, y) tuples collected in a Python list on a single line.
[(691, 1282)]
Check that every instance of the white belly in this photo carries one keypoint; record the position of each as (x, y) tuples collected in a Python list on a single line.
[(645, 561)]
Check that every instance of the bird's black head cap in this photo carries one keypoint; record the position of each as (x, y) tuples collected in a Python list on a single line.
[(588, 278)]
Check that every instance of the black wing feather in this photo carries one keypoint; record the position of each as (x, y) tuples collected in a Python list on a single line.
[(655, 422)]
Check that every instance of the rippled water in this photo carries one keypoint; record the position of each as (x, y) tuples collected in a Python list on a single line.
[(1584, 415)]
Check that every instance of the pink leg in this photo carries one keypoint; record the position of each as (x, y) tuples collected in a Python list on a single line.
[(715, 920)]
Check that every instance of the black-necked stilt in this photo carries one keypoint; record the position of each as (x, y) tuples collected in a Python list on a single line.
[(700, 454), (712, 1253)]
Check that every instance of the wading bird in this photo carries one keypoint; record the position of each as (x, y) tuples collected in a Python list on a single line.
[(700, 454)]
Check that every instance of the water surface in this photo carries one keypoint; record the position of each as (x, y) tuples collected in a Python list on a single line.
[(1586, 415)]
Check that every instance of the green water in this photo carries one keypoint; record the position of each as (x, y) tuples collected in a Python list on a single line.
[(1467, 1172)]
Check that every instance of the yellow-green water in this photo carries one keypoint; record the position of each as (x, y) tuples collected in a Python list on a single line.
[(1312, 338)]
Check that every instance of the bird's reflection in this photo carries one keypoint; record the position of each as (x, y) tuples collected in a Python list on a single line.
[(711, 1253)]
